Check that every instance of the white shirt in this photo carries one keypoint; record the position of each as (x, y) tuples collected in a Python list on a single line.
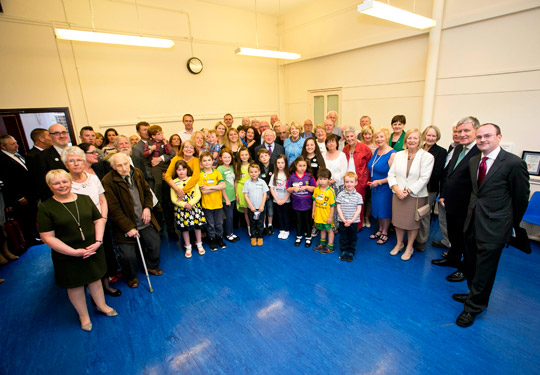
[(91, 187), (491, 159)]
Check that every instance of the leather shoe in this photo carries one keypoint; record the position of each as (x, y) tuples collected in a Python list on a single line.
[(455, 277), (460, 297), (116, 293), (155, 272), (133, 283), (465, 319), (443, 263), (439, 244)]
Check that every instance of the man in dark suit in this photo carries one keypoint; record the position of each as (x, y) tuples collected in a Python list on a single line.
[(269, 137), (455, 194), (50, 159), (17, 190), (42, 140), (500, 195)]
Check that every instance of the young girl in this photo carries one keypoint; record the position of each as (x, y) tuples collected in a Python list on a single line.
[(278, 189), (241, 176), (188, 214), (226, 168), (313, 155), (301, 185)]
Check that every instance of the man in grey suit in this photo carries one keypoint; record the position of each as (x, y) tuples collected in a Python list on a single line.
[(500, 195)]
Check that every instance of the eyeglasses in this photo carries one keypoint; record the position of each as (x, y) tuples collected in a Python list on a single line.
[(91, 152), (487, 136), (75, 161), (56, 134)]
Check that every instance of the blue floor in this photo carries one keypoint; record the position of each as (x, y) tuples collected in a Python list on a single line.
[(276, 309)]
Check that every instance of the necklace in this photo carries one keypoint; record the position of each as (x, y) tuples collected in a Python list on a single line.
[(77, 220)]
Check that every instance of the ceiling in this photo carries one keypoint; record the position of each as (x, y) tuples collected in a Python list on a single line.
[(269, 7)]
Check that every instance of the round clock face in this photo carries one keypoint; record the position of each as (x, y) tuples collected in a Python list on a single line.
[(195, 65)]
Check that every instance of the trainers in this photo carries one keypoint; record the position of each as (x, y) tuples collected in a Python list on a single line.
[(319, 247), (327, 250), (350, 258), (343, 257), (270, 230), (308, 242), (314, 232), (253, 241), (285, 235), (259, 242), (230, 238), (235, 238), (220, 242), (280, 235), (298, 241), (213, 245)]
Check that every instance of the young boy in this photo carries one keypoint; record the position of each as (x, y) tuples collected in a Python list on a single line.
[(213, 145), (349, 207), (255, 191), (323, 211), (159, 153), (211, 183), (267, 170)]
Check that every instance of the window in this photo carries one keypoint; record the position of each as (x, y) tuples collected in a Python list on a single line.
[(320, 102)]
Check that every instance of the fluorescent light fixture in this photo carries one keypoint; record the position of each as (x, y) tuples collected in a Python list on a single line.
[(267, 53), (390, 13), (130, 40)]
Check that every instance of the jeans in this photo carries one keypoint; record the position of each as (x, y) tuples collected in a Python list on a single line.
[(347, 238), (229, 212), (214, 220)]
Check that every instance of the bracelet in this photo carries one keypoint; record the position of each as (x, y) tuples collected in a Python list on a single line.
[(100, 241)]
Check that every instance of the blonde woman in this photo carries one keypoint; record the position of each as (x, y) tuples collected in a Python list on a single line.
[(221, 130), (367, 137), (293, 145), (408, 178)]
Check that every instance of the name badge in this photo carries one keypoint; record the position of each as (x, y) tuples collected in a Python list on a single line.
[(319, 198), (210, 181), (314, 165), (263, 175), (295, 184)]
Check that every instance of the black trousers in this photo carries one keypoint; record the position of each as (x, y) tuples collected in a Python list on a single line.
[(480, 268), (256, 226), (347, 238), (303, 223), (455, 224), (129, 252), (282, 214)]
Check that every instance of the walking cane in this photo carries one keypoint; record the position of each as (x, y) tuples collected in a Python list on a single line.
[(144, 264)]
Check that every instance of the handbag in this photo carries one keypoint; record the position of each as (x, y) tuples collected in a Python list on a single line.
[(425, 209), (421, 211)]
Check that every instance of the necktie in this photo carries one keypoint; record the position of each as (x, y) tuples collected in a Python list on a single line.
[(482, 170), (270, 149), (128, 180), (461, 156), (19, 156)]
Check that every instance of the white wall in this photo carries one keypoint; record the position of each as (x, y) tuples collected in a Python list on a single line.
[(106, 85), (488, 65)]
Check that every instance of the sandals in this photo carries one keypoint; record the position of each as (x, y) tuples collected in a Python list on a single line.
[(200, 248), (375, 235), (188, 252), (382, 239)]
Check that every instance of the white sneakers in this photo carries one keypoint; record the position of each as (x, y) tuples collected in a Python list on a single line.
[(283, 235)]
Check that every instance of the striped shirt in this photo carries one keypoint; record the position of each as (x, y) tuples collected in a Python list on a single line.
[(349, 202)]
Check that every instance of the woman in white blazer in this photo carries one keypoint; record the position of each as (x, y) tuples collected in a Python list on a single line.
[(408, 178)]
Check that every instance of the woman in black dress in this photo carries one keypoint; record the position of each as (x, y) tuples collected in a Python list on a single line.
[(72, 227)]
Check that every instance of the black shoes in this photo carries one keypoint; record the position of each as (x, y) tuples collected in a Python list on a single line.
[(298, 241), (213, 245), (346, 257), (270, 230), (460, 297), (456, 277), (465, 319), (220, 242), (308, 242), (439, 244), (116, 293), (443, 263)]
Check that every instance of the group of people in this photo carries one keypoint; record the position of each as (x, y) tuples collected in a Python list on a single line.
[(99, 201)]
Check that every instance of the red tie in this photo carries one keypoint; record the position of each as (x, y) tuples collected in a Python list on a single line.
[(482, 170)]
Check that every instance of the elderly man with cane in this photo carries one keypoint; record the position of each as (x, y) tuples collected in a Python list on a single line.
[(130, 202)]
